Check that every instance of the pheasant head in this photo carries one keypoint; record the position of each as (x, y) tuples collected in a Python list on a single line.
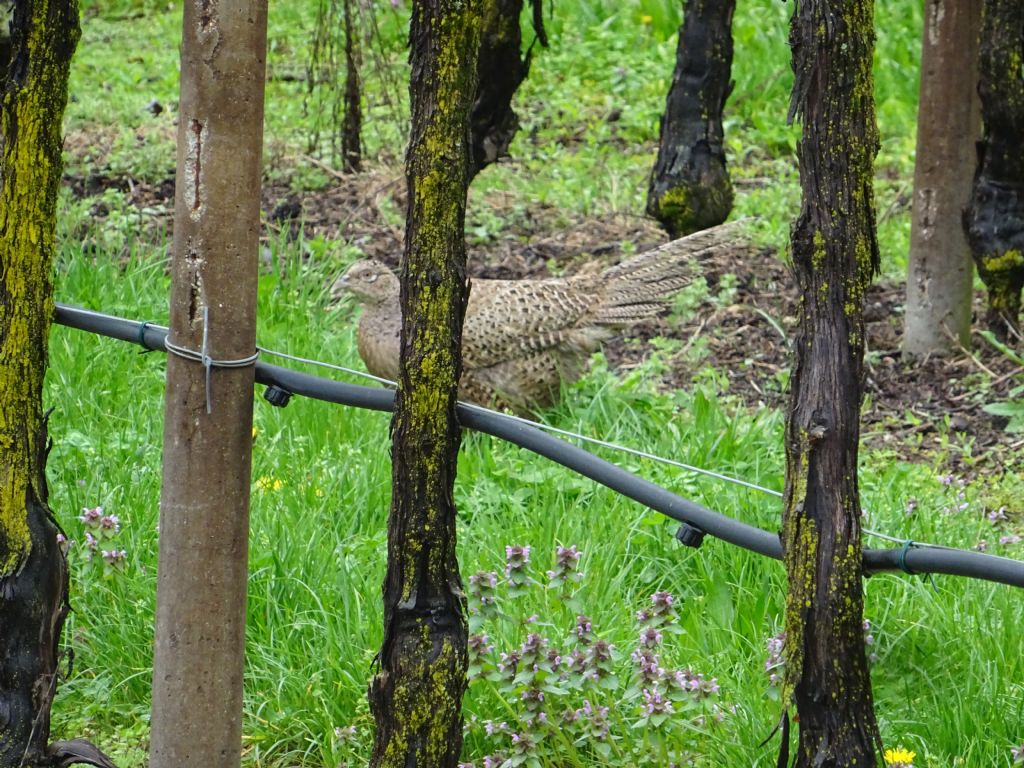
[(370, 282)]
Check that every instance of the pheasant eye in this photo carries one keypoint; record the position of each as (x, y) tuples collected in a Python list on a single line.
[(371, 278)]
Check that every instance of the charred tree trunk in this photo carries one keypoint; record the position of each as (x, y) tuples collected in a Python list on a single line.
[(500, 70), (352, 127), (33, 572), (416, 695), (690, 188), (835, 254), (995, 219), (941, 273), (204, 500)]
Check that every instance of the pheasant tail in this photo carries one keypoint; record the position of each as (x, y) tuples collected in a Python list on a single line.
[(640, 286)]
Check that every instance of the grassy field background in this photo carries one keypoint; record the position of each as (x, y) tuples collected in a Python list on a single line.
[(947, 671)]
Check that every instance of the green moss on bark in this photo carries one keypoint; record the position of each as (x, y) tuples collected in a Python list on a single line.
[(31, 112), (690, 188), (835, 254), (33, 574), (994, 219), (416, 697)]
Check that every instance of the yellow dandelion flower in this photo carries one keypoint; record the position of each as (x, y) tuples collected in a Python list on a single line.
[(899, 757), (269, 484), (646, 20)]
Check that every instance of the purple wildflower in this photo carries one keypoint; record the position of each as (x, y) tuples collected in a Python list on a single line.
[(482, 591), (491, 727), (516, 559), (523, 744), (479, 645), (651, 671), (656, 704), (584, 630), (703, 686), (91, 517), (997, 516), (345, 734), (662, 602), (566, 563), (775, 660), (594, 721), (650, 637), (509, 664), (115, 558)]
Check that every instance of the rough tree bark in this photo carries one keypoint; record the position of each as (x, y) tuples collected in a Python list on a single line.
[(416, 695), (500, 70), (33, 572), (835, 253), (995, 219), (940, 271), (204, 504), (690, 188), (352, 126)]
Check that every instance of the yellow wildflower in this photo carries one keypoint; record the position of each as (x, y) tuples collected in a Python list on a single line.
[(899, 757), (646, 20), (269, 484)]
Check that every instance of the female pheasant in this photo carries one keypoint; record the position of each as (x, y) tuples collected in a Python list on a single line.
[(523, 338)]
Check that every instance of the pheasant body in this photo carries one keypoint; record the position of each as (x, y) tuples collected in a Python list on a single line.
[(522, 338)]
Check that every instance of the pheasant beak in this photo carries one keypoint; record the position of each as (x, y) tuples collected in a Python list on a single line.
[(340, 289)]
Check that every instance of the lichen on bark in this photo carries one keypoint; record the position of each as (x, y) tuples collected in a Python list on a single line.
[(689, 187), (416, 695), (33, 573), (994, 219), (835, 255)]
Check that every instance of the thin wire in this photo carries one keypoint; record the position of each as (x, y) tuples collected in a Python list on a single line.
[(567, 433), (203, 356), (545, 427), (330, 366), (587, 439)]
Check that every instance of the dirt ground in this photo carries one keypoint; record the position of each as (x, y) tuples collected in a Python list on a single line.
[(741, 329)]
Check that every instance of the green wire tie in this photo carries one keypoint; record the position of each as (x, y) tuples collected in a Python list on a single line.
[(141, 338), (901, 561)]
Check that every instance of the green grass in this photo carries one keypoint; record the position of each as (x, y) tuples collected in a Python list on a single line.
[(948, 679)]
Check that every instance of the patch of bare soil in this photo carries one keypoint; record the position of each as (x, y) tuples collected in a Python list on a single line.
[(741, 328), (911, 408)]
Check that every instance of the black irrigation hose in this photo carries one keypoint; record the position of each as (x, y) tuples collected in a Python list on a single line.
[(696, 519)]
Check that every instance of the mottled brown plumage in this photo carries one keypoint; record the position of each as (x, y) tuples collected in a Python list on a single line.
[(523, 338)]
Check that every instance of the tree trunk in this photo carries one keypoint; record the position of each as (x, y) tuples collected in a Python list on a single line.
[(835, 253), (690, 188), (351, 142), (204, 504), (995, 219), (941, 273), (500, 70), (33, 572), (416, 695)]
